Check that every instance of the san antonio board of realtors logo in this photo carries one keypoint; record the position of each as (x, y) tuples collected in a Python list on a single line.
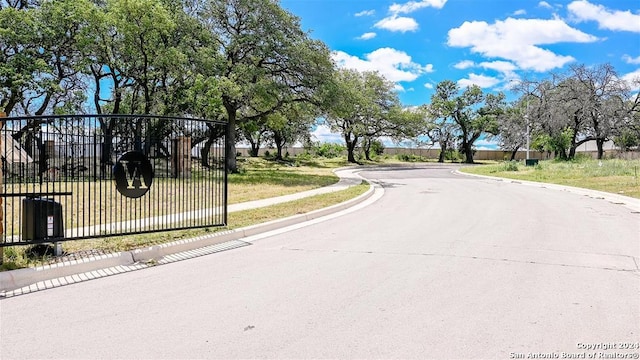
[(134, 174)]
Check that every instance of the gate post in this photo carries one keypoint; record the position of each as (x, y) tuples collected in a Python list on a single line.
[(2, 115)]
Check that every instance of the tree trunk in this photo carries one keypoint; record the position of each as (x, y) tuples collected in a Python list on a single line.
[(468, 151), (513, 154), (96, 94), (107, 149), (443, 151), (11, 103), (230, 140), (562, 154), (137, 136), (206, 149), (255, 148), (600, 145), (468, 154), (279, 141), (574, 144), (351, 145), (468, 146), (367, 149)]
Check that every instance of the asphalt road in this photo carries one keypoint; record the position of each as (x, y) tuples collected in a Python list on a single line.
[(441, 266)]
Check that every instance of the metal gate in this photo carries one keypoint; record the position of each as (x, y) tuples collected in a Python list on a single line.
[(85, 176)]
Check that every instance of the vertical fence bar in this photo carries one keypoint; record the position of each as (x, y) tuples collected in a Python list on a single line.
[(225, 155), (2, 148)]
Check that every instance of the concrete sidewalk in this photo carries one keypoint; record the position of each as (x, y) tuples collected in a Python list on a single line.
[(347, 176), (20, 281)]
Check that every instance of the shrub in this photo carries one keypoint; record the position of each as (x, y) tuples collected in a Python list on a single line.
[(377, 147), (453, 155), (328, 150), (411, 158), (305, 156), (510, 166), (627, 140)]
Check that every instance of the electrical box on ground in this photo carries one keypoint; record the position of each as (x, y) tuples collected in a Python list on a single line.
[(41, 219)]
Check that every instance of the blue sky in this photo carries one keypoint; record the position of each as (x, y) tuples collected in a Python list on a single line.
[(491, 43), (486, 42)]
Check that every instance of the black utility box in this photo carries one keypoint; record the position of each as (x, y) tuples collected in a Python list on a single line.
[(41, 219), (531, 162)]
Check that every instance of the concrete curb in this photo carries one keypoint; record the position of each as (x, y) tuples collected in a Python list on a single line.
[(16, 279), (629, 202), (159, 251)]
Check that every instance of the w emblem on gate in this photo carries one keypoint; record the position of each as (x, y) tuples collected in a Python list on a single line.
[(133, 174)]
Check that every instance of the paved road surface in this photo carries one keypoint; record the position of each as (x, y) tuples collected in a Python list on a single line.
[(442, 266)]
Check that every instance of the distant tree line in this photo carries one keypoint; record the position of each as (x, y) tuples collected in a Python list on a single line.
[(569, 109), (249, 63), (557, 114)]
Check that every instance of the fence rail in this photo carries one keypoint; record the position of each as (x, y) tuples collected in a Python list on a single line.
[(84, 176)]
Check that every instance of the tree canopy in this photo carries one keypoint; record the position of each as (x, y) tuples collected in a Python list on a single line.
[(365, 106), (581, 105), (249, 63), (465, 114)]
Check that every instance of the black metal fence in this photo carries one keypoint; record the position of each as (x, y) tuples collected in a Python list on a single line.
[(78, 177)]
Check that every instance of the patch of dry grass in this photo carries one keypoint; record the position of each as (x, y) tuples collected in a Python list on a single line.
[(614, 175)]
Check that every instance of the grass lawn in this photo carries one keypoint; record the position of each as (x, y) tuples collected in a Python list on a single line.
[(613, 175), (260, 179)]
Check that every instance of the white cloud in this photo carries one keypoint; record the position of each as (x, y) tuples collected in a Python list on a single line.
[(366, 13), (631, 60), (480, 80), (428, 85), (484, 144), (633, 79), (412, 6), (397, 23), (517, 40), (464, 64), (398, 88), (545, 4), (615, 20), (393, 64), (520, 12), (504, 67), (323, 134), (483, 147), (367, 36)]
